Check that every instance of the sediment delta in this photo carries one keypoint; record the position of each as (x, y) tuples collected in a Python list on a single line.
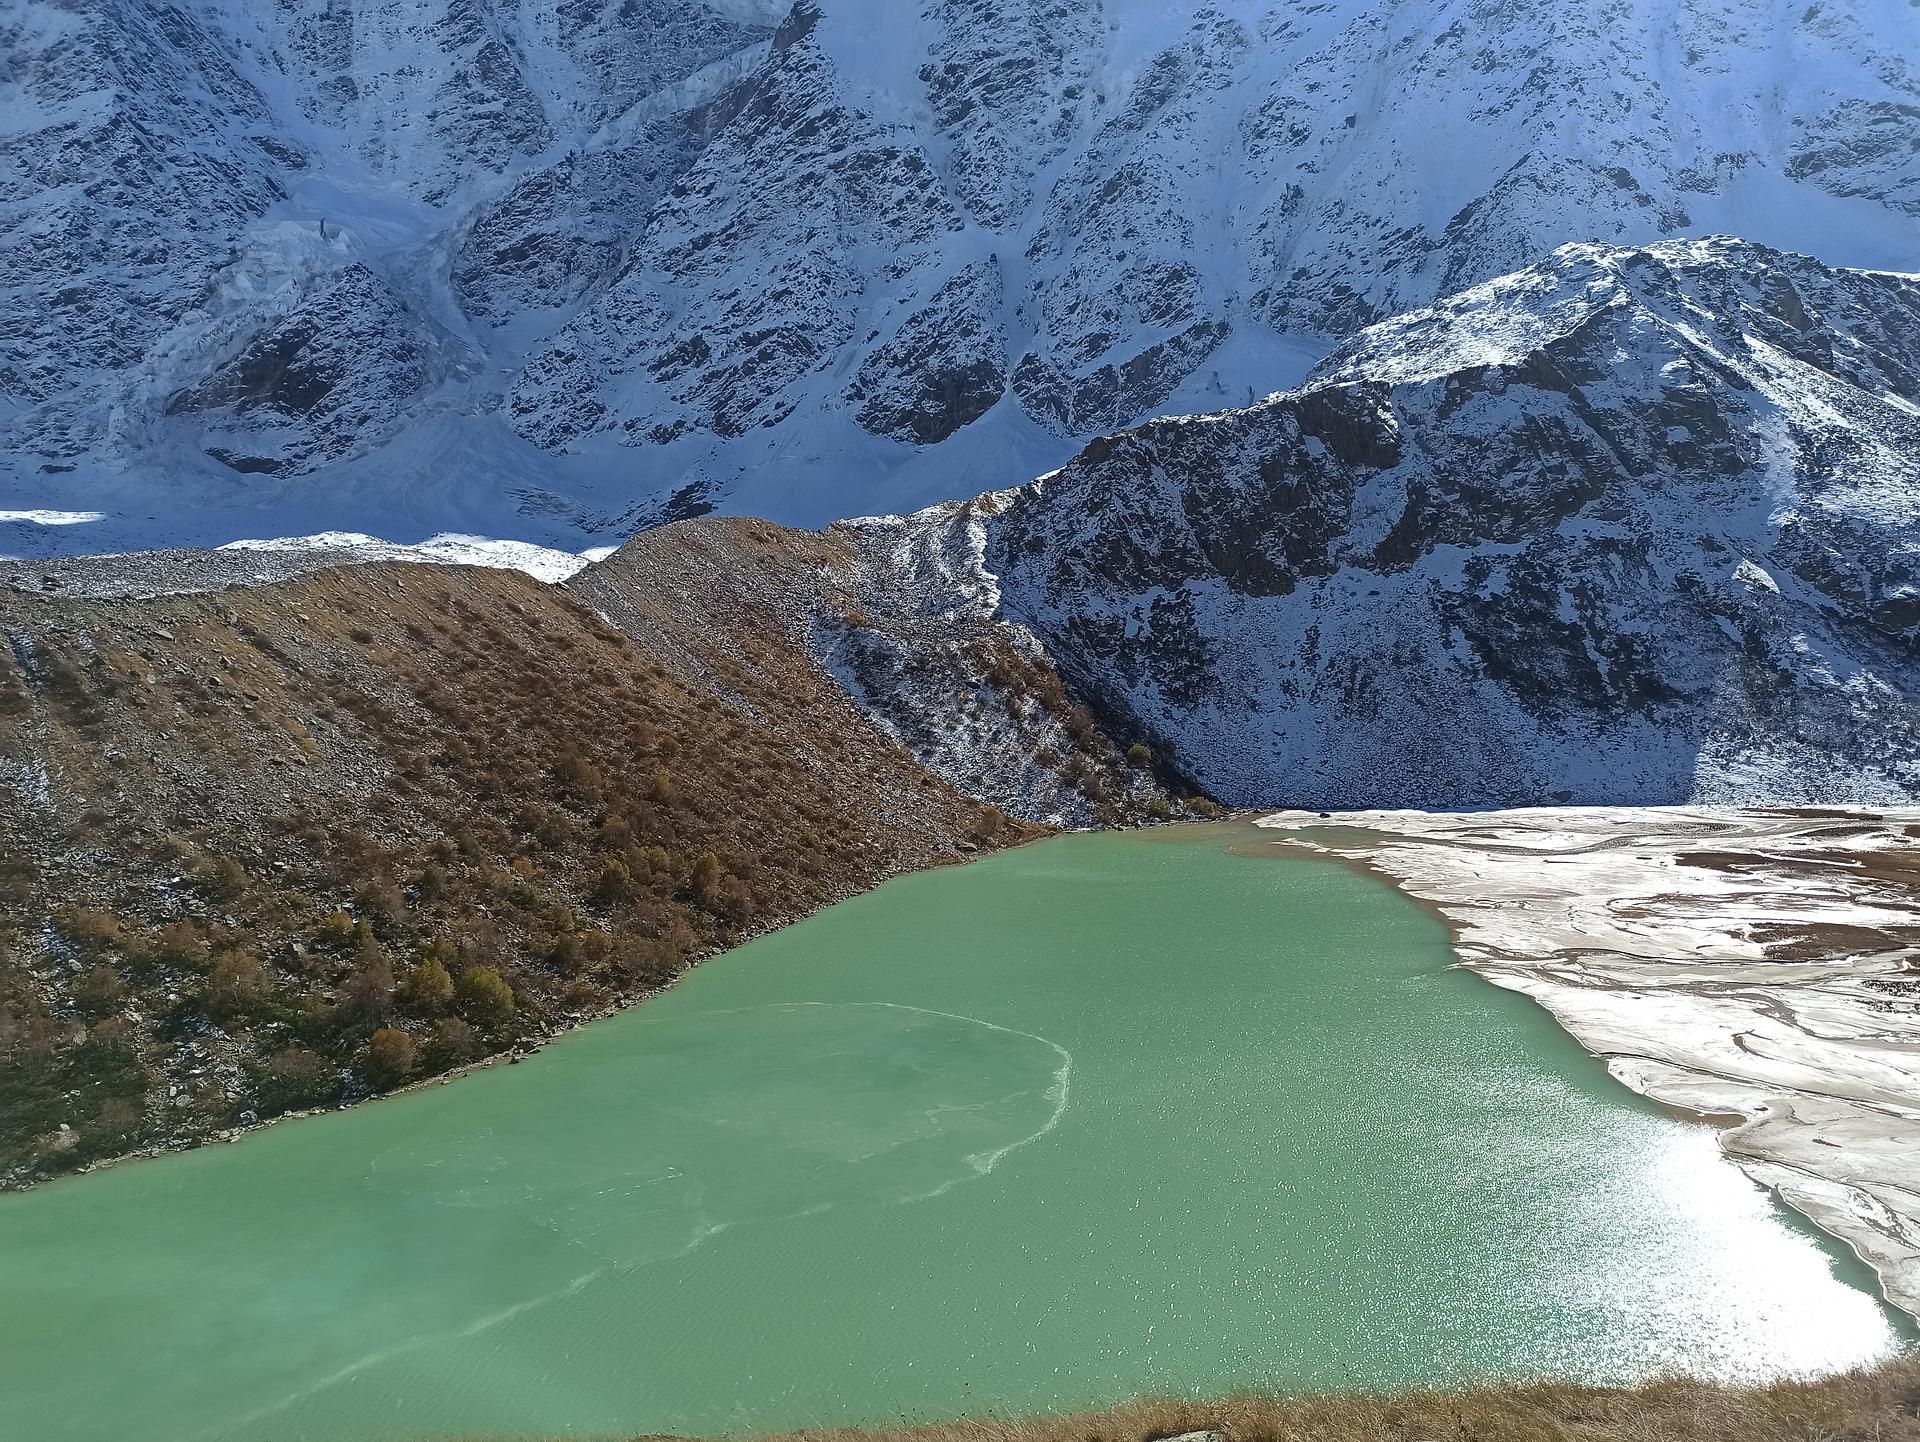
[(1760, 967)]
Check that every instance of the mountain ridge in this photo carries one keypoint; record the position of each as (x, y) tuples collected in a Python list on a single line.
[(1005, 226), (1542, 542), (255, 812)]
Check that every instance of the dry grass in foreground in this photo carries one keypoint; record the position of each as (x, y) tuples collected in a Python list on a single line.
[(1882, 1405)]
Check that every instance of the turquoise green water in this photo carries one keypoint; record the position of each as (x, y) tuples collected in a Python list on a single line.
[(1105, 1115)]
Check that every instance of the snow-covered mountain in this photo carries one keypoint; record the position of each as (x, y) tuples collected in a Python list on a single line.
[(548, 271), (1630, 525)]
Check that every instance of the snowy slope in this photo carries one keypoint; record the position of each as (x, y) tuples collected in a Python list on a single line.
[(567, 268), (254, 220), (1629, 526)]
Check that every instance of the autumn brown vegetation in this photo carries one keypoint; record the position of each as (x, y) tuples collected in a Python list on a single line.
[(1879, 1405), (278, 847)]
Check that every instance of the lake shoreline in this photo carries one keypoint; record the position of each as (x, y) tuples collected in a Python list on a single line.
[(1821, 1201), (1721, 961), (1864, 1403), (529, 1046), (784, 1170)]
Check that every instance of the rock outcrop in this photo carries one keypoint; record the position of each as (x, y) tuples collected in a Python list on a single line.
[(830, 258), (1626, 526)]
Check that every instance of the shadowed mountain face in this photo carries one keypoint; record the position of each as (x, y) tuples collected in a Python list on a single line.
[(271, 266)]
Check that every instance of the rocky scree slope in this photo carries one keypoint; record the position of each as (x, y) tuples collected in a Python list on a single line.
[(554, 271), (981, 707), (1626, 526)]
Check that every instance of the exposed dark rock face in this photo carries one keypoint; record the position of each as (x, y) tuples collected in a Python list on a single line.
[(484, 108), (558, 235), (1108, 396), (941, 368), (200, 187), (336, 371), (633, 49), (1630, 525), (683, 342), (1009, 85), (151, 151)]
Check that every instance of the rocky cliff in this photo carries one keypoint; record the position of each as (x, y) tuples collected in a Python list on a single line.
[(549, 272), (1631, 525)]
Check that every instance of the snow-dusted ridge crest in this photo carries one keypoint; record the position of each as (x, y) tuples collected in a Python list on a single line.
[(550, 273), (1630, 526)]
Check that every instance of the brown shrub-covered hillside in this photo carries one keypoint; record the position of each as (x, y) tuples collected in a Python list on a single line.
[(1877, 1405), (279, 846)]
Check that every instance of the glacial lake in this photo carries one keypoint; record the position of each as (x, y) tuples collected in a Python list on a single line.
[(1105, 1115)]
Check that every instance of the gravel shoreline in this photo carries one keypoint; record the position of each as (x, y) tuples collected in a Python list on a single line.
[(1752, 966)]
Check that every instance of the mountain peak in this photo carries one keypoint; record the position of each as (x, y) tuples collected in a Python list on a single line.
[(1717, 297)]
